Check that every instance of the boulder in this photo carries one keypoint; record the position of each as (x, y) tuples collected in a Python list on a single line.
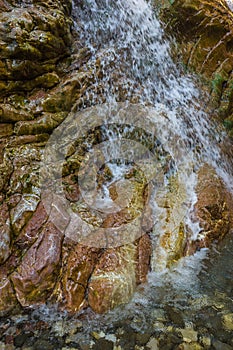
[(76, 273), (36, 276), (113, 281)]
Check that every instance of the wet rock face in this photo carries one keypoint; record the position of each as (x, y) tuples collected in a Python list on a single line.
[(205, 35), (35, 277), (213, 209), (43, 76), (214, 206), (5, 233)]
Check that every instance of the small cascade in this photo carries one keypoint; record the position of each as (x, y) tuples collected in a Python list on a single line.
[(117, 190), (136, 145), (133, 74)]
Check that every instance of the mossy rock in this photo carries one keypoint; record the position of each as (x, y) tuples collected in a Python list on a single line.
[(204, 31)]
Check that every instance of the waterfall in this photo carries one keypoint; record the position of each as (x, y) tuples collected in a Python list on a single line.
[(135, 141), (128, 40), (147, 114)]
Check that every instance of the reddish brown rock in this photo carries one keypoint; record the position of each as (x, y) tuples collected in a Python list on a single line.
[(5, 233), (9, 114), (113, 281), (27, 139), (14, 200), (213, 210), (147, 219), (33, 227), (6, 130), (77, 271), (5, 169), (204, 30), (35, 278), (8, 300), (144, 250), (206, 27), (71, 188), (23, 211)]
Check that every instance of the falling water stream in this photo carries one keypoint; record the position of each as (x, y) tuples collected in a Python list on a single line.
[(132, 70), (133, 73)]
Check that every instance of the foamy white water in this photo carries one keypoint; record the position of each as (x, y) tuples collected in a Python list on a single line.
[(230, 4)]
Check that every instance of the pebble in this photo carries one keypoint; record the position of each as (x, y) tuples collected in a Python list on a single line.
[(20, 319), (218, 305), (189, 335), (11, 330), (218, 345), (228, 321), (142, 338), (152, 344), (98, 335), (60, 328), (103, 344), (111, 337), (42, 344), (158, 314), (4, 346), (158, 325), (206, 341), (175, 316), (190, 346), (20, 339)]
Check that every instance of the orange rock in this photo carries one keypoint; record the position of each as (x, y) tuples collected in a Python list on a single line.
[(113, 281), (75, 275), (32, 229), (144, 249), (214, 207)]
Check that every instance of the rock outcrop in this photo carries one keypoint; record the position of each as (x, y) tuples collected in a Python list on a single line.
[(204, 31), (44, 78), (213, 210)]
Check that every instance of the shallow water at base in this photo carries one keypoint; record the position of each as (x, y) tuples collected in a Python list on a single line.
[(191, 305)]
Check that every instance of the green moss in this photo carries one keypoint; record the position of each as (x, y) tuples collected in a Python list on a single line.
[(228, 123), (217, 82)]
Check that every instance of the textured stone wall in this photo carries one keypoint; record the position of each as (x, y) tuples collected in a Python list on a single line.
[(42, 78), (204, 30)]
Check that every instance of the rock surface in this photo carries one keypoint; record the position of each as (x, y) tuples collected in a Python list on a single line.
[(204, 30), (213, 209), (45, 74)]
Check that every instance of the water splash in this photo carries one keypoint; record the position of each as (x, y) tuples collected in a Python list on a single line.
[(230, 4), (131, 61)]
